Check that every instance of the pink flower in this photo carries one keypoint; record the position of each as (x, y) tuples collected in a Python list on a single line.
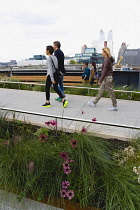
[(63, 193), (66, 164), (64, 155), (70, 194), (53, 123), (48, 123), (67, 170), (94, 120), (83, 112), (65, 184), (43, 138), (84, 130), (73, 142)]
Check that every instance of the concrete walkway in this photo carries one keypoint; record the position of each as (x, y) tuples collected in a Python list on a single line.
[(128, 113)]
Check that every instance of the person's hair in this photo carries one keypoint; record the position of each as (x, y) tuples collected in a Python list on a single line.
[(107, 51), (57, 43), (94, 64), (50, 49), (86, 63)]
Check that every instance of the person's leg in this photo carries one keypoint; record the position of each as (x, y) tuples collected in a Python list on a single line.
[(100, 92), (60, 87), (55, 86), (48, 85), (109, 87)]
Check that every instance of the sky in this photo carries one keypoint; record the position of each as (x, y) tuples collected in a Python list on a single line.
[(28, 26)]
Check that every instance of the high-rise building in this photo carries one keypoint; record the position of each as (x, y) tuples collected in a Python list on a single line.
[(83, 48), (110, 41), (101, 41)]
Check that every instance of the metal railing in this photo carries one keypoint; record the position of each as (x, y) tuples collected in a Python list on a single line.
[(69, 118), (68, 86)]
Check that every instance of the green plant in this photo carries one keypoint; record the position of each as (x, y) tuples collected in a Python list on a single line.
[(32, 164)]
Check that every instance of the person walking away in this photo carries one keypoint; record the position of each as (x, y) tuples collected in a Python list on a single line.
[(93, 71), (86, 74), (52, 77), (106, 80), (60, 57)]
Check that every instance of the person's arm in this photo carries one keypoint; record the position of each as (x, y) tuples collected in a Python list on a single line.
[(50, 69)]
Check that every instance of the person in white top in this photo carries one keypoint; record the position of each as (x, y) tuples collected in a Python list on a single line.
[(52, 77)]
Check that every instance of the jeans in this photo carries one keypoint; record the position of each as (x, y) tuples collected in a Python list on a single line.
[(60, 83)]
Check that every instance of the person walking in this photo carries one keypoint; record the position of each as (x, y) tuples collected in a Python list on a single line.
[(106, 80), (60, 56), (93, 71), (52, 77)]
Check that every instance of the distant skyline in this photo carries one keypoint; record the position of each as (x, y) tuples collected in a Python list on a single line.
[(28, 26)]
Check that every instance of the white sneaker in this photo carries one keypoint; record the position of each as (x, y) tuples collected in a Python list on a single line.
[(90, 103), (113, 108)]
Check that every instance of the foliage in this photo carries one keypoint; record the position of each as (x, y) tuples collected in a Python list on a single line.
[(45, 162)]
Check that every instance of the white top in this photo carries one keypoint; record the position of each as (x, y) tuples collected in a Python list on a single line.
[(50, 67)]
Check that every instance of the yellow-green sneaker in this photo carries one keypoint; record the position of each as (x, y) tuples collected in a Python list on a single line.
[(46, 105), (65, 103)]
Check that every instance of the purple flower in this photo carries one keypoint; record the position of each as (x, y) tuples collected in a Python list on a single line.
[(65, 184), (48, 123), (64, 155), (84, 130), (63, 193), (70, 194), (66, 164), (67, 170), (43, 138), (73, 142), (53, 123), (83, 112), (94, 120)]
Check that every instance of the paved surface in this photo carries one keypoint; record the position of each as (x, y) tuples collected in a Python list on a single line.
[(128, 113), (8, 201)]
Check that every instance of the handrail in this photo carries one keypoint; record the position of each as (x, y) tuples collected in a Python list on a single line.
[(69, 118), (69, 86)]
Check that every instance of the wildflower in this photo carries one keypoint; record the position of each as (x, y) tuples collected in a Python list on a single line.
[(67, 170), (43, 138), (84, 130), (48, 123), (135, 170), (63, 193), (65, 184), (53, 123), (66, 164), (73, 142), (83, 112), (64, 155), (70, 194), (94, 120)]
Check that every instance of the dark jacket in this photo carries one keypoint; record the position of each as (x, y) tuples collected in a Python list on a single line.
[(107, 68), (86, 73), (60, 56)]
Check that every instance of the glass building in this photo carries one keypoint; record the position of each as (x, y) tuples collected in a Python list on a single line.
[(89, 56)]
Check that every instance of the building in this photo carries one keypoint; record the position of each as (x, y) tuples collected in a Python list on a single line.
[(89, 55), (131, 57)]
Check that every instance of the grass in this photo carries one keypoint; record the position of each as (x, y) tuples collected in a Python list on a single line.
[(75, 91), (33, 164)]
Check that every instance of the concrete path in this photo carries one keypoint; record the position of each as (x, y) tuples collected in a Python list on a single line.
[(128, 112), (8, 201)]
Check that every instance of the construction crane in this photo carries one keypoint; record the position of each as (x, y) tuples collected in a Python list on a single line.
[(121, 57)]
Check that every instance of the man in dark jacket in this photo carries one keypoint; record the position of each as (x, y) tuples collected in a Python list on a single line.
[(60, 56)]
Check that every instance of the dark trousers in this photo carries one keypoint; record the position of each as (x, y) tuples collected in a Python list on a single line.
[(55, 87)]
